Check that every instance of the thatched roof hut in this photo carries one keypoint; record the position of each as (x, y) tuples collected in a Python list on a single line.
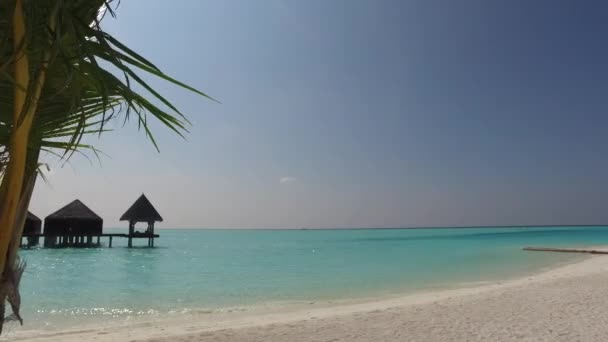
[(141, 211), (73, 219), (33, 225)]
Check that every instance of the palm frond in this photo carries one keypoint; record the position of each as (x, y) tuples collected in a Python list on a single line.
[(80, 79)]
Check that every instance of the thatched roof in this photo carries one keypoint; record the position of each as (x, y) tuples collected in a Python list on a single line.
[(141, 211), (33, 217), (75, 210), (31, 226)]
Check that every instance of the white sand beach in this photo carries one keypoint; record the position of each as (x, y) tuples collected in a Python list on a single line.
[(568, 303)]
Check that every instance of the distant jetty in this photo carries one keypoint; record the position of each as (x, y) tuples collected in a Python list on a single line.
[(565, 250), (76, 225)]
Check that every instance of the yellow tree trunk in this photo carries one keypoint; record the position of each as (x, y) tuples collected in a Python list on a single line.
[(13, 177), (31, 173), (22, 123)]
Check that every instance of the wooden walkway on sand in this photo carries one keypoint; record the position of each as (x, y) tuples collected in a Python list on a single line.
[(566, 250), (87, 240)]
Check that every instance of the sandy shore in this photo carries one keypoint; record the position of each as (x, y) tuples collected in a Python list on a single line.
[(569, 303)]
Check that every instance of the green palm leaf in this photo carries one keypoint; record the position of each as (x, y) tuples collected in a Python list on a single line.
[(89, 79)]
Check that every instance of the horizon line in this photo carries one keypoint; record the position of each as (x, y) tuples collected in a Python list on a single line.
[(390, 228)]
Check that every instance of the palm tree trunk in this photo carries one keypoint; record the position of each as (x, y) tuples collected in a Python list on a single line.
[(25, 102), (31, 174), (13, 267), (13, 177)]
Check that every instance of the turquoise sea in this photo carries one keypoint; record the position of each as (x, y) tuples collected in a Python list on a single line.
[(204, 271)]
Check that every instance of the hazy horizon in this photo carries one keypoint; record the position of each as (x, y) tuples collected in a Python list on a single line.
[(374, 228), (360, 114)]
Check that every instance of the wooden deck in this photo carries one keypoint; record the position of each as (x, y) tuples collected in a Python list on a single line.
[(86, 240), (565, 250)]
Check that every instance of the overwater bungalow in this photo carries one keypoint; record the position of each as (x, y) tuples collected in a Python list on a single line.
[(32, 229), (71, 225), (142, 211)]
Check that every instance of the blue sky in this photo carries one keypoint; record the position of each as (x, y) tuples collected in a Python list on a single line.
[(372, 113)]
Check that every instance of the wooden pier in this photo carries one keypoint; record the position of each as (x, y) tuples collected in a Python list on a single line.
[(565, 250), (83, 240), (75, 225)]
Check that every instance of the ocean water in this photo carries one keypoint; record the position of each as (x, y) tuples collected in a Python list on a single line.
[(218, 270)]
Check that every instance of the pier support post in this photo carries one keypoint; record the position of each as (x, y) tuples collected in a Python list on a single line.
[(131, 232), (98, 237), (110, 245)]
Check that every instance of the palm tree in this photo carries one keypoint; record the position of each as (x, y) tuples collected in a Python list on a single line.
[(58, 83)]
